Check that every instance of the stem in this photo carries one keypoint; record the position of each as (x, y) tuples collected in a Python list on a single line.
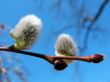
[(94, 58), (26, 53)]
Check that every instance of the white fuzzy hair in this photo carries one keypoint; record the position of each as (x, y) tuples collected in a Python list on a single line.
[(26, 31), (65, 46)]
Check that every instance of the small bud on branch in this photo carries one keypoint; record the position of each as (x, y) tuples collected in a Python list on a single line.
[(59, 64)]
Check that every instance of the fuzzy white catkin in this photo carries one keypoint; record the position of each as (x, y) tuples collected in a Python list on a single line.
[(26, 31), (65, 46)]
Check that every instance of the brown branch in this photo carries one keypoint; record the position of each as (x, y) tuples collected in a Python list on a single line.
[(57, 60), (96, 17)]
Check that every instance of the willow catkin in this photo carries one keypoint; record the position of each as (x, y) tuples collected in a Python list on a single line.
[(65, 46), (26, 32)]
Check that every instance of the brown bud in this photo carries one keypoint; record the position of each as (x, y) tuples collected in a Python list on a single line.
[(97, 58), (59, 64)]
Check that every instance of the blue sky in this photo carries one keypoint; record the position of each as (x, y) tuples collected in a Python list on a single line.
[(40, 70)]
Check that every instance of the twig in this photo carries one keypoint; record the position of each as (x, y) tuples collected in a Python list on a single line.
[(96, 17), (94, 58)]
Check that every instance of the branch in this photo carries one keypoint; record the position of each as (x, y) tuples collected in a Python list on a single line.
[(96, 17), (56, 60)]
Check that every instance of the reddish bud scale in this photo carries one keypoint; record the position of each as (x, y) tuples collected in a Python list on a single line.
[(97, 58), (60, 64)]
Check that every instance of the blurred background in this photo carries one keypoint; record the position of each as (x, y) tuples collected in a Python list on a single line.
[(87, 21)]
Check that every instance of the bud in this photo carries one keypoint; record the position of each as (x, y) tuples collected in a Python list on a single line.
[(60, 65), (97, 58), (26, 32), (65, 46)]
